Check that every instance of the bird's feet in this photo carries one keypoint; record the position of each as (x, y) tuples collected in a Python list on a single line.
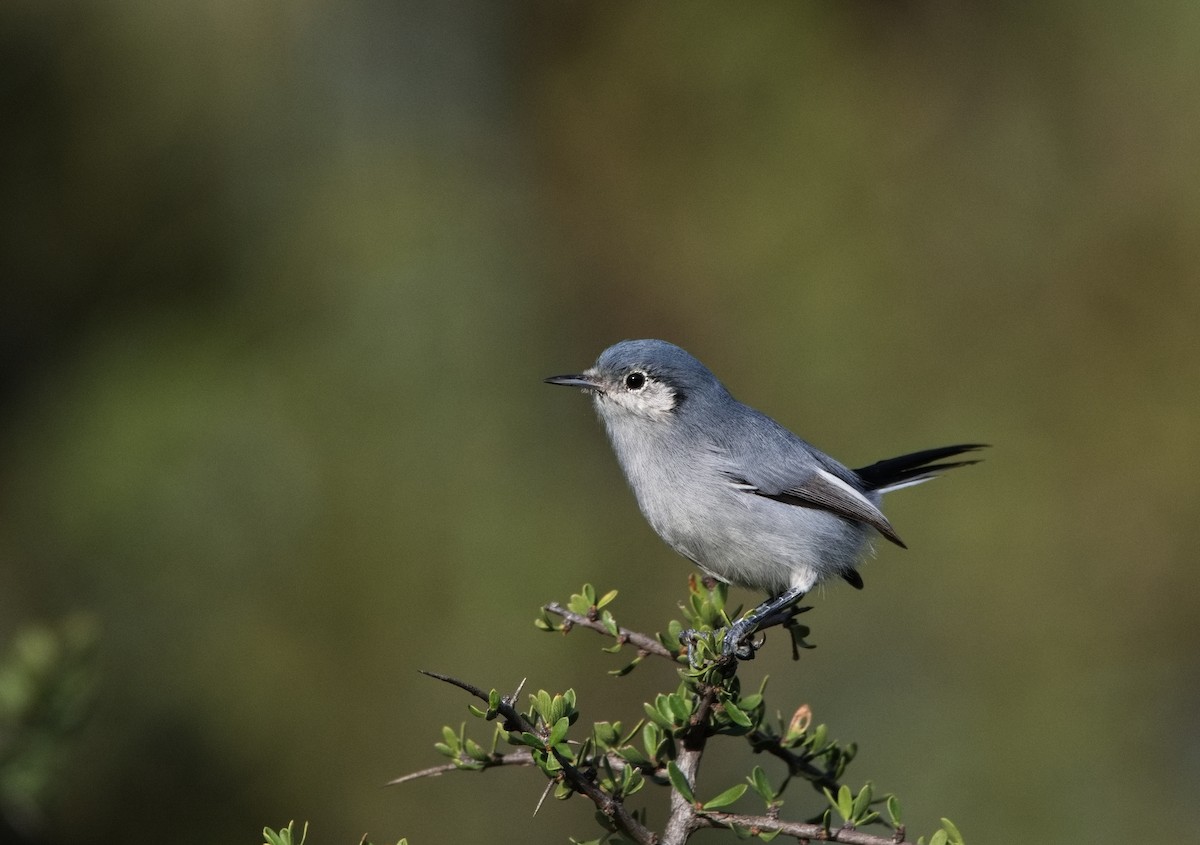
[(739, 639)]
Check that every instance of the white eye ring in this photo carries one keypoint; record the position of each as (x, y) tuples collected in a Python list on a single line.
[(635, 380)]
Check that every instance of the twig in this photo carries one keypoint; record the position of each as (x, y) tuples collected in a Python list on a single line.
[(643, 642), (803, 831), (515, 758), (607, 804), (797, 764)]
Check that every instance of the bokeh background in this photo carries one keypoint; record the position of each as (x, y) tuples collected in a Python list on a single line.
[(281, 281)]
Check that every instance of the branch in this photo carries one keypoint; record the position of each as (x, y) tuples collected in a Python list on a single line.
[(611, 807), (515, 758), (644, 642), (682, 821), (797, 764), (802, 831)]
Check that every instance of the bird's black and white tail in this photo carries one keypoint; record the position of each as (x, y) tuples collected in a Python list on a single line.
[(907, 470)]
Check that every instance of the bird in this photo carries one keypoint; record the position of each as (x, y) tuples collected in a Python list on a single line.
[(746, 500)]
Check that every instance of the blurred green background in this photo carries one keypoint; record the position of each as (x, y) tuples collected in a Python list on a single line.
[(281, 281)]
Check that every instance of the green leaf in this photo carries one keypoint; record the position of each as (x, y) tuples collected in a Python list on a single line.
[(475, 750), (632, 755), (726, 798), (769, 835), (680, 782), (736, 714), (758, 779), (862, 803), (893, 808), (751, 702), (607, 734), (450, 737), (652, 737), (952, 833), (628, 667), (559, 732), (939, 838), (741, 831), (531, 740), (844, 803), (631, 781), (680, 709), (285, 835), (606, 598), (542, 704), (658, 718), (610, 624), (589, 593)]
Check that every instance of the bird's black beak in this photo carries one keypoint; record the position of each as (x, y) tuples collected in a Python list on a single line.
[(580, 381)]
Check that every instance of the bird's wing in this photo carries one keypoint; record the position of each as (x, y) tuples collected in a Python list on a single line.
[(821, 489), (763, 458)]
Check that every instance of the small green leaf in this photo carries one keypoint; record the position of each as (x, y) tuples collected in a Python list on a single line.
[(680, 782), (610, 624), (606, 598), (741, 831), (531, 740), (845, 802), (658, 718), (651, 738), (952, 833), (559, 732), (893, 808), (769, 835), (737, 715), (632, 755), (939, 838), (680, 708), (450, 737), (628, 667), (631, 781), (751, 702), (726, 798), (862, 803), (606, 733), (758, 779), (475, 750), (589, 593)]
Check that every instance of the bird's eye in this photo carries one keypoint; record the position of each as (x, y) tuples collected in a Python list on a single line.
[(635, 380)]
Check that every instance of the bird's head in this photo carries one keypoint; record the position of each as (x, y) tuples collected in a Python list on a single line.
[(647, 380)]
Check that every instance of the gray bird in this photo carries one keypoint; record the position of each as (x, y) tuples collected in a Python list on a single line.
[(730, 489)]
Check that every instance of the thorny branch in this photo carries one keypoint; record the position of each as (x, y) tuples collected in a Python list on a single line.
[(802, 831), (610, 806), (685, 816), (515, 758), (644, 642)]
